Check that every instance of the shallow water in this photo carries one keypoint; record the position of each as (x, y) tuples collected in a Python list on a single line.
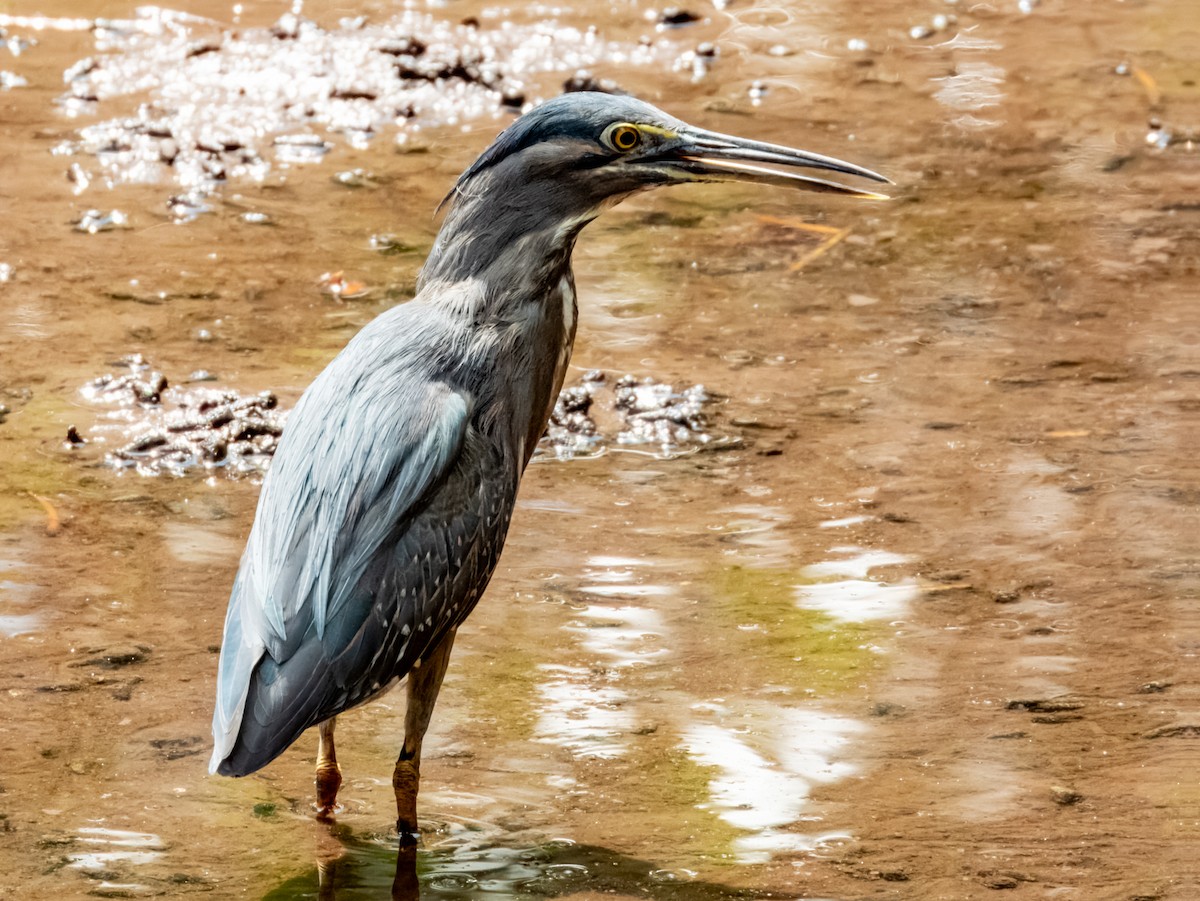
[(923, 626)]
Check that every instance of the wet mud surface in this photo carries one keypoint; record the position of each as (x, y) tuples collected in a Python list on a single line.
[(924, 627)]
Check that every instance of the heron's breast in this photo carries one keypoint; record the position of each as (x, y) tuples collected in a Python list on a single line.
[(570, 312)]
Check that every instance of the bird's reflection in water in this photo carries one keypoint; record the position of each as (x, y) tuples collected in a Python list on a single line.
[(363, 868)]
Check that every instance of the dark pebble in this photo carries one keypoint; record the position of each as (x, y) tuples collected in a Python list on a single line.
[(115, 658), (1044, 705), (672, 16), (1151, 688)]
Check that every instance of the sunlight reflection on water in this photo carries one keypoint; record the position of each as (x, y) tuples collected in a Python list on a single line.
[(765, 777), (856, 598), (115, 848), (13, 624), (579, 715)]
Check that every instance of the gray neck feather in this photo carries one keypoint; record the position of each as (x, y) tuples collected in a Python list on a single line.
[(512, 232)]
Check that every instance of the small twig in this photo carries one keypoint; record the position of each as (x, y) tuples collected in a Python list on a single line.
[(819, 250), (834, 236), (53, 523), (1149, 85)]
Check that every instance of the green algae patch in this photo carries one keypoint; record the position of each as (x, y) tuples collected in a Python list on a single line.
[(501, 690), (684, 789), (31, 442), (803, 649), (673, 795)]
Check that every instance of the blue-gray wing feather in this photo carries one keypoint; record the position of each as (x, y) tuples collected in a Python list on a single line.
[(365, 449)]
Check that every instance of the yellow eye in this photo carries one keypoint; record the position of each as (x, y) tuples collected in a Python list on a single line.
[(624, 137)]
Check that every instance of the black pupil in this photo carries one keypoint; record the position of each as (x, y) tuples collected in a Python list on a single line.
[(626, 138)]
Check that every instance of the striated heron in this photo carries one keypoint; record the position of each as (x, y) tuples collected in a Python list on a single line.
[(392, 488)]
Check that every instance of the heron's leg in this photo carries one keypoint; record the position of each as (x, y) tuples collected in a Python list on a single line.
[(406, 886), (329, 774), (424, 682)]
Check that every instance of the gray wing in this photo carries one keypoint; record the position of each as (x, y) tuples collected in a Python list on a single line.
[(364, 450)]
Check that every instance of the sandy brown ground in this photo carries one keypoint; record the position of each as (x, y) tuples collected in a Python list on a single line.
[(991, 381)]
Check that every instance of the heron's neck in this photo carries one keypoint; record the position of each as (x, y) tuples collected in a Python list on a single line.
[(510, 240), (504, 278)]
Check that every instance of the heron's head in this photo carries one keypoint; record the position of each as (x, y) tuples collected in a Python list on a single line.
[(517, 209), (579, 153)]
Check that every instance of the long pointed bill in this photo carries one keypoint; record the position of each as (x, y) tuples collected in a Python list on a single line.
[(709, 156)]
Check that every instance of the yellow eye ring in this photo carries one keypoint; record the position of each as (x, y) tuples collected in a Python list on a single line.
[(624, 137)]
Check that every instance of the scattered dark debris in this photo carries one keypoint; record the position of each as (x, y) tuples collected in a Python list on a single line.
[(174, 430), (1175, 730), (187, 879), (638, 413), (176, 748), (512, 98), (94, 221), (1152, 688), (55, 840), (164, 429), (202, 48), (289, 27), (936, 25), (1023, 380), (1005, 879), (115, 657), (947, 576), (358, 178), (999, 880), (699, 61), (472, 66), (1055, 719), (673, 16), (1045, 705), (123, 691), (390, 245), (1116, 163), (132, 386), (404, 46), (1063, 796), (1006, 736), (336, 284), (584, 80), (61, 687), (191, 204), (361, 79), (1162, 135)]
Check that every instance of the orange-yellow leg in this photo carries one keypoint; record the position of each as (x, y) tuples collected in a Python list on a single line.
[(329, 774), (424, 683)]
